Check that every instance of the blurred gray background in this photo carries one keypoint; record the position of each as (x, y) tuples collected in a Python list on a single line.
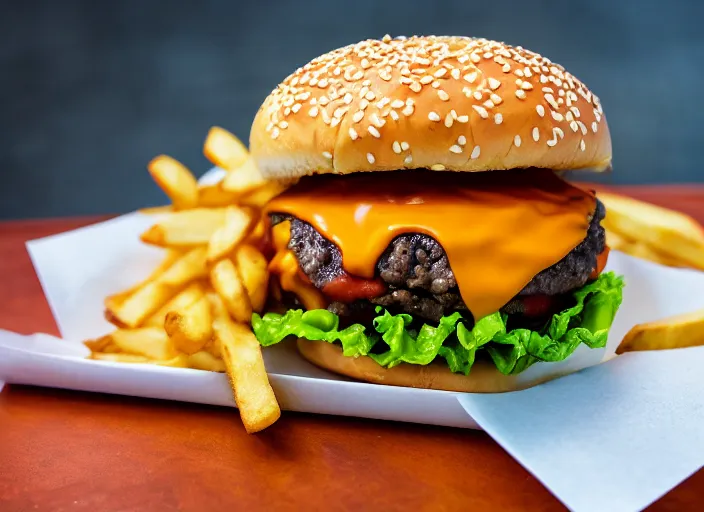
[(90, 91)]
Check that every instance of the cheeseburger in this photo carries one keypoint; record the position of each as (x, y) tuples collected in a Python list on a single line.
[(427, 237)]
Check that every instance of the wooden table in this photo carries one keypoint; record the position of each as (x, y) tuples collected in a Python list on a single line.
[(73, 451)]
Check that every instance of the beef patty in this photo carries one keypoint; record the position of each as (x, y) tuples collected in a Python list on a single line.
[(419, 277)]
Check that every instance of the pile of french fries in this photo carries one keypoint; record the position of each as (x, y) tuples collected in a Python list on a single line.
[(653, 233), (195, 309)]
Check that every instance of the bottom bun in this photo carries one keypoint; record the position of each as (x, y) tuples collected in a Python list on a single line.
[(484, 377)]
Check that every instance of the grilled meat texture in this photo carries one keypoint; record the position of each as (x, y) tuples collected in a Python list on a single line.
[(418, 274)]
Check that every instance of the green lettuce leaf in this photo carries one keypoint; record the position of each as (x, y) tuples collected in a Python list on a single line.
[(394, 340)]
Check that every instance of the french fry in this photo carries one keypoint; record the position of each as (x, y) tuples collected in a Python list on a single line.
[(243, 179), (204, 360), (224, 149), (177, 182), (192, 293), (646, 252), (156, 210), (185, 229), (119, 358), (238, 224), (668, 232), (263, 194), (116, 299), (213, 196), (249, 381), (152, 295), (252, 266), (190, 328), (680, 331), (149, 342), (227, 282)]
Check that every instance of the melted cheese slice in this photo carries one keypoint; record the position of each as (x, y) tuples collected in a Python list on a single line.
[(498, 229)]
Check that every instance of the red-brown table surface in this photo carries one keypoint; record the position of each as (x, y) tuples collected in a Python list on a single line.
[(63, 450)]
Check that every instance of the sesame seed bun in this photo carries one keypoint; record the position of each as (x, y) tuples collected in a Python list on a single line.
[(442, 103), (484, 377)]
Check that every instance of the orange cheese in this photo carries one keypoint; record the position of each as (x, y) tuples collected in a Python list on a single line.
[(498, 229)]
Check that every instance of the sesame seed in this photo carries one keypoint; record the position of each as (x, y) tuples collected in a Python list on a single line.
[(364, 104), (558, 131), (405, 145), (597, 116), (409, 101), (407, 110), (313, 112), (574, 126), (462, 59), (348, 98), (475, 153), (463, 119), (519, 82), (521, 94), (496, 99), (557, 116), (326, 117), (313, 82), (426, 79), (551, 99), (443, 95), (517, 141), (455, 149), (373, 131), (287, 111), (475, 58), (455, 73), (494, 83), (405, 80), (453, 113), (576, 111), (365, 63), (275, 133), (323, 101), (489, 104), (356, 76), (506, 68), (462, 140), (296, 108), (582, 145), (536, 134), (353, 133), (498, 118), (415, 87), (449, 120), (519, 72), (437, 167), (436, 84), (569, 116), (481, 111), (594, 126), (543, 79), (488, 55), (396, 147), (433, 116), (582, 127), (408, 160), (470, 77), (440, 73), (561, 92), (313, 101), (552, 142), (327, 155), (540, 109), (394, 115), (283, 125), (370, 158), (357, 116), (376, 121), (527, 86), (397, 104)]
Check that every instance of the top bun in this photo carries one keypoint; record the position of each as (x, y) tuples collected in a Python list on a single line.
[(441, 103)]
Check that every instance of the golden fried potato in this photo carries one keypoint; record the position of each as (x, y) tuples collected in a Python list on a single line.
[(227, 282), (238, 224), (175, 180), (185, 229), (686, 330)]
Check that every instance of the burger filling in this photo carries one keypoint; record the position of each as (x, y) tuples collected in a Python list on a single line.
[(415, 298)]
